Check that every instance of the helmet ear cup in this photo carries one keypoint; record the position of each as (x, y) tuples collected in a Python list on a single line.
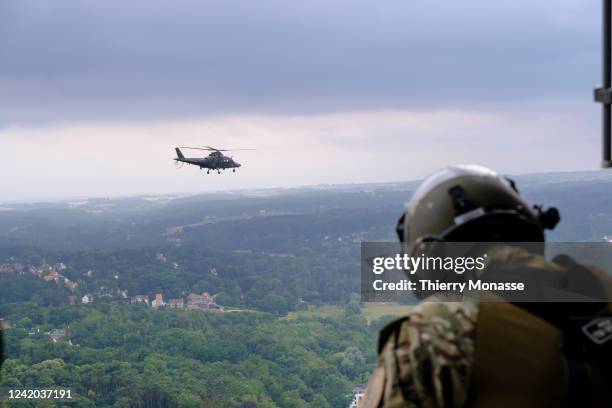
[(549, 218)]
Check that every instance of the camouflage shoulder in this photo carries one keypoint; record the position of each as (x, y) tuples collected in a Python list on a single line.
[(515, 255), (601, 287), (388, 330), (425, 358)]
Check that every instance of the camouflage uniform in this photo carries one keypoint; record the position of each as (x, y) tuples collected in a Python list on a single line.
[(425, 359), (429, 358)]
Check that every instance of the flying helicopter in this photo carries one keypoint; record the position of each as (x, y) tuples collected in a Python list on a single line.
[(216, 160)]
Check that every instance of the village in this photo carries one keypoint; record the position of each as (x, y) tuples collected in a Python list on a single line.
[(200, 302), (45, 271), (53, 273)]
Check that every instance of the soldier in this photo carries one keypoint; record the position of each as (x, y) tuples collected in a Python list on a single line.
[(490, 354)]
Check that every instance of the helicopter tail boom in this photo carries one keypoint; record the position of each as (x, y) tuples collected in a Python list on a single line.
[(179, 154)]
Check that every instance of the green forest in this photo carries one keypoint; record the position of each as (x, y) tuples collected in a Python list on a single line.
[(284, 266), (122, 355)]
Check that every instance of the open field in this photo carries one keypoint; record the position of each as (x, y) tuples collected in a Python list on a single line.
[(371, 311)]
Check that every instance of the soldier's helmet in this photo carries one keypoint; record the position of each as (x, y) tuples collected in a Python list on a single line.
[(469, 203)]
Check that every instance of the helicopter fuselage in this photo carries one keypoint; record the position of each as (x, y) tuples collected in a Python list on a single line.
[(214, 161)]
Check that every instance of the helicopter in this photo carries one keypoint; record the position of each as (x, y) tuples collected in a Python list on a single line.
[(216, 160)]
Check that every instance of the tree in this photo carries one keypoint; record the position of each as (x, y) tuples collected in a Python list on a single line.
[(352, 309), (319, 401), (187, 400)]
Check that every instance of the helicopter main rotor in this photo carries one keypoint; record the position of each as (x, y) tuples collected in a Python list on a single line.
[(212, 149)]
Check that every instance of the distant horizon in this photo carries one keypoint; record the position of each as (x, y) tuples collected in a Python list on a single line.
[(179, 194)]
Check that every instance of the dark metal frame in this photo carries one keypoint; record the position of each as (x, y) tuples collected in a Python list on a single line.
[(603, 95)]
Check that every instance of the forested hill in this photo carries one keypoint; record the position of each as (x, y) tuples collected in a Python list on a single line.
[(78, 280), (284, 245), (291, 219), (117, 355)]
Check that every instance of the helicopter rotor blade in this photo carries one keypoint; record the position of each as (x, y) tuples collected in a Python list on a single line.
[(212, 149), (196, 148), (226, 150)]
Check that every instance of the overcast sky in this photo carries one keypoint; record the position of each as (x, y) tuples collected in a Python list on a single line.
[(95, 95)]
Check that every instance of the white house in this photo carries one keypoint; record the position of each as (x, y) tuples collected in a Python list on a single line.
[(158, 301), (358, 393)]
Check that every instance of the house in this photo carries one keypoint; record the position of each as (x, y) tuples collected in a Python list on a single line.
[(158, 301), (4, 325), (176, 303), (71, 284), (53, 276), (57, 334), (358, 393), (72, 300), (204, 297), (203, 302), (140, 299), (88, 298)]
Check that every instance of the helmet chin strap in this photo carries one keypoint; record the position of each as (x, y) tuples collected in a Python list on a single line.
[(399, 227)]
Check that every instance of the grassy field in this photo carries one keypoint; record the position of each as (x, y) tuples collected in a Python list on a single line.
[(371, 311)]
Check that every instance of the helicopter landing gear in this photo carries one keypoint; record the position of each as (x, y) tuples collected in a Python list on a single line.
[(233, 170), (218, 171), (207, 171)]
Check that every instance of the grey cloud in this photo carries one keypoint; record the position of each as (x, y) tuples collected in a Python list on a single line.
[(74, 60)]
